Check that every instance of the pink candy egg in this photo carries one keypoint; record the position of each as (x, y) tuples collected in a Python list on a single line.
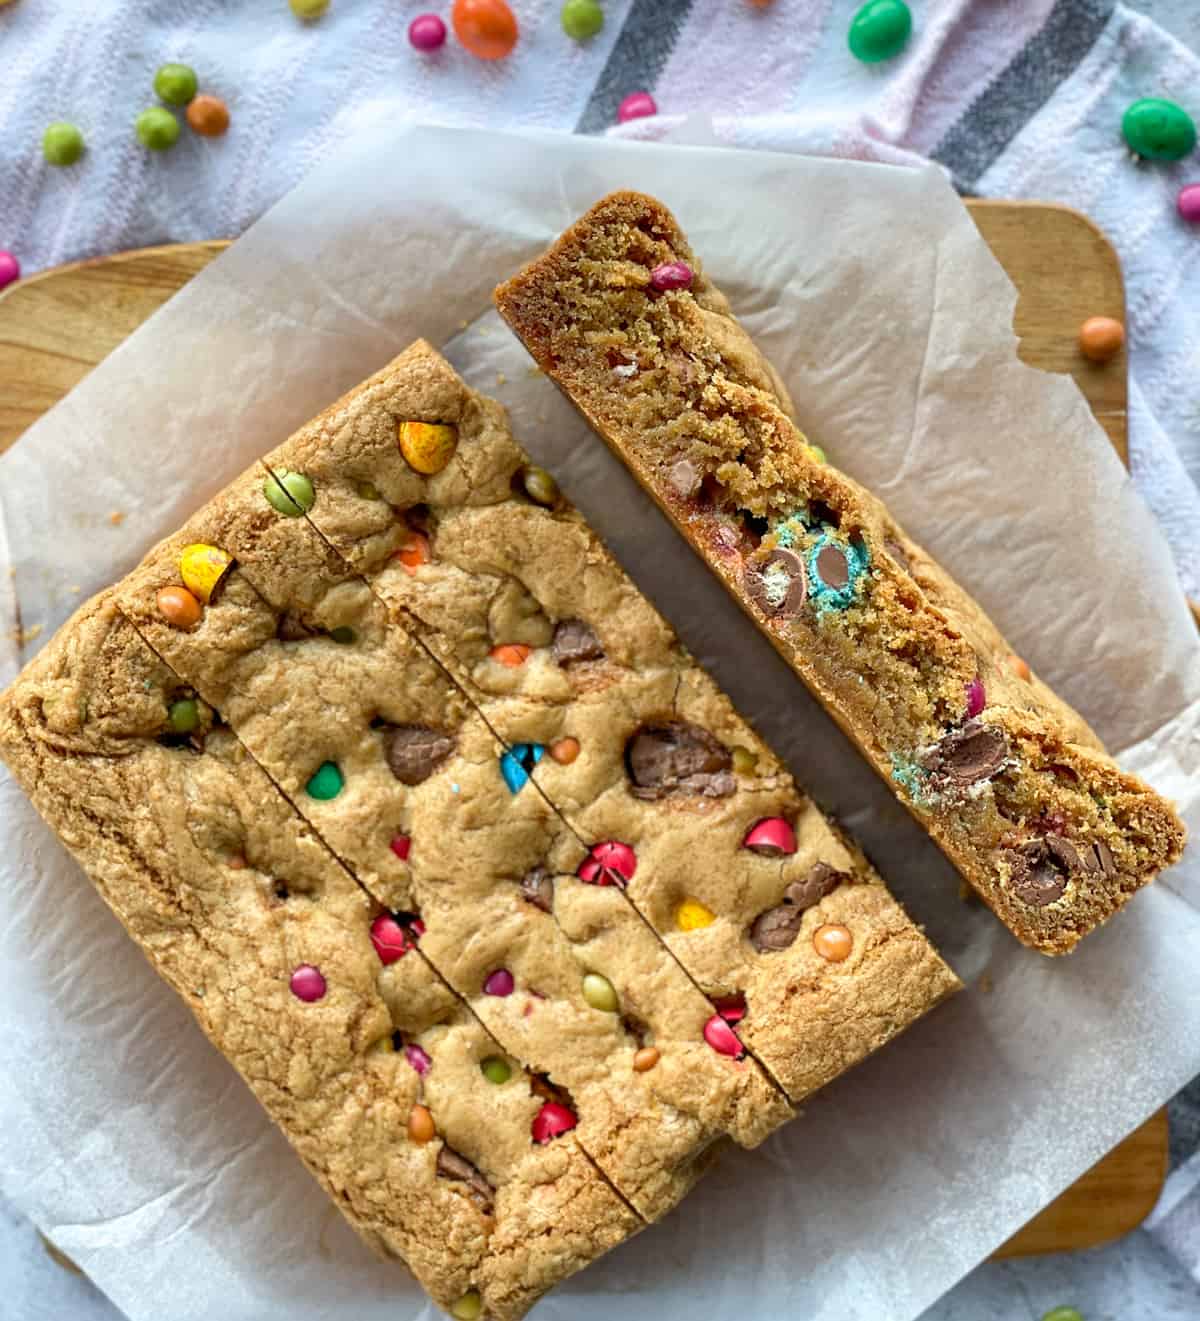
[(1188, 203), (551, 1121), (307, 983), (671, 275), (637, 105), (417, 1058), (427, 32), (772, 837), (976, 698), (722, 1038), (10, 268), (499, 983), (610, 863)]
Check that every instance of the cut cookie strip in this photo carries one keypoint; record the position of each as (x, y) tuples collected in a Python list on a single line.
[(640, 746), (406, 750), (896, 650), (245, 913)]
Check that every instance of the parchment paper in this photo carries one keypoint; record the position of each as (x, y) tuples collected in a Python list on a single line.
[(139, 1151)]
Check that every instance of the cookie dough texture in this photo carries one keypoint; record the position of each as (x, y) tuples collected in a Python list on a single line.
[(227, 892), (1007, 778)]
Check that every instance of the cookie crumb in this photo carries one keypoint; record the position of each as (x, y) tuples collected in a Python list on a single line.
[(986, 984), (501, 379), (116, 518)]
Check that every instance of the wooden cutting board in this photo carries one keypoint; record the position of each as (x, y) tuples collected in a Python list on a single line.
[(56, 326)]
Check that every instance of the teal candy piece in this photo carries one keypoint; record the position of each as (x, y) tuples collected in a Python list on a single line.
[(912, 778), (1158, 130), (327, 782), (516, 764), (828, 596), (880, 30)]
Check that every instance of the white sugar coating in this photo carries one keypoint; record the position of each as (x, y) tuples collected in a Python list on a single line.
[(776, 582)]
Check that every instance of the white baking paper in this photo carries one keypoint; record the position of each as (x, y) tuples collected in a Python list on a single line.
[(128, 1139)]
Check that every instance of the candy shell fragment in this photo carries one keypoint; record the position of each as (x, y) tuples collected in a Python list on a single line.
[(202, 568), (722, 1038), (773, 837), (552, 1121), (427, 447)]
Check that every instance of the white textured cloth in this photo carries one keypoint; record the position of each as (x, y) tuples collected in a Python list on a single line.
[(1017, 98)]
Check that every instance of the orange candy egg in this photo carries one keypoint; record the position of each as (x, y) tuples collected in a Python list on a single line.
[(414, 552), (833, 942), (179, 607), (487, 28), (512, 654)]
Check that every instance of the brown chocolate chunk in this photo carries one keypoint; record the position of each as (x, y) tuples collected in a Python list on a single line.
[(777, 927), (1102, 859), (967, 755), (537, 888), (898, 553), (575, 641), (833, 567), (292, 627), (1039, 875), (678, 758), (450, 1165), (683, 478), (1064, 853), (414, 752), (776, 583)]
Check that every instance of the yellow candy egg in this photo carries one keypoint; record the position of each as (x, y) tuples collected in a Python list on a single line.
[(691, 915), (202, 568), (427, 446)]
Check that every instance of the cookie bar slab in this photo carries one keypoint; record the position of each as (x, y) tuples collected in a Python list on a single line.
[(527, 610), (1007, 778), (244, 912), (319, 676)]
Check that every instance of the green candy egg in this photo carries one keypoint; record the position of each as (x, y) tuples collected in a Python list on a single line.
[(326, 782), (495, 1069), (175, 84), (599, 993), (157, 128), (289, 493), (62, 144), (582, 19), (184, 715), (1063, 1314), (1158, 130), (880, 29)]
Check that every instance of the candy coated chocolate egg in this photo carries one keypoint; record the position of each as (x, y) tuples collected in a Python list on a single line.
[(289, 493), (184, 715), (62, 144), (581, 19), (326, 782), (179, 607), (692, 915), (833, 942), (208, 116), (10, 268), (1158, 130), (157, 128), (773, 836), (1100, 338), (551, 1121), (175, 83), (421, 1127), (427, 32), (599, 992), (671, 275), (637, 105), (468, 1308), (645, 1059), (564, 750), (1019, 667), (496, 1069), (499, 983), (427, 446), (307, 983), (880, 30), (722, 1038), (487, 28), (1187, 203), (1063, 1314)]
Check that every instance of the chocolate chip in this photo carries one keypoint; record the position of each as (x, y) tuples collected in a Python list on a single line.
[(833, 567), (898, 553), (575, 641), (684, 478), (1038, 877), (1065, 853), (776, 583), (450, 1165), (678, 758), (537, 888), (414, 752), (1102, 858), (966, 756), (777, 927), (292, 627)]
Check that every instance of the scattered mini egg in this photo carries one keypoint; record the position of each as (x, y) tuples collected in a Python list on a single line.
[(880, 30), (157, 129), (1188, 203), (62, 144), (637, 105), (175, 84), (427, 32), (486, 28), (1101, 338), (1158, 130), (10, 268), (208, 116), (308, 9), (582, 19)]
